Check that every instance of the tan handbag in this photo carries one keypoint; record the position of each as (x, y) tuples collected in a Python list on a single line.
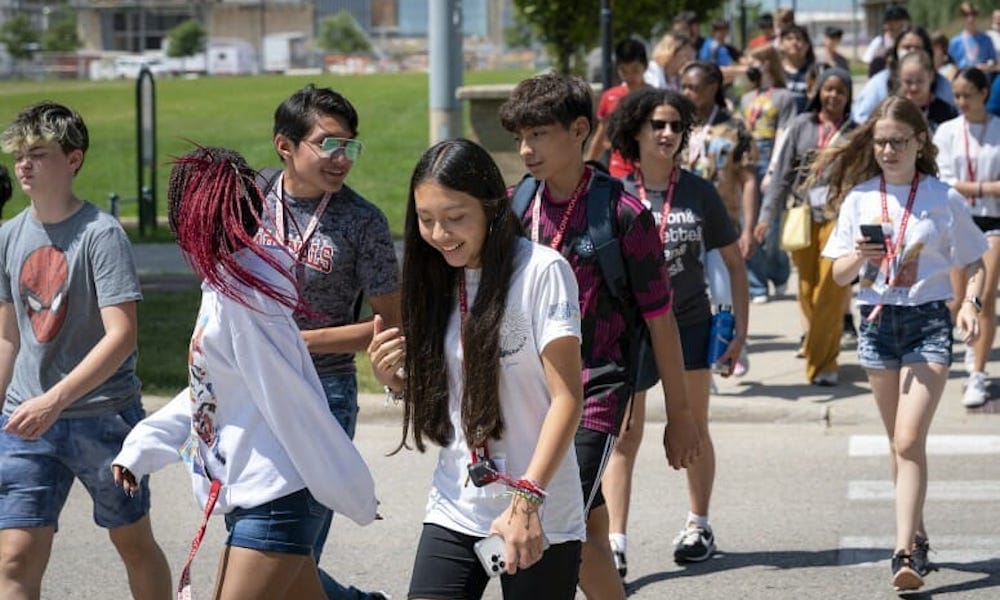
[(796, 227)]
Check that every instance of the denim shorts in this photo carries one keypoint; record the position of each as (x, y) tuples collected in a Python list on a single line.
[(905, 335), (36, 475), (341, 391), (288, 524)]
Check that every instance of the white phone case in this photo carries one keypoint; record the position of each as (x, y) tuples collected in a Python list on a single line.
[(490, 553)]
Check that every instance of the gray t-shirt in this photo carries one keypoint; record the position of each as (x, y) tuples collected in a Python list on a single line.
[(59, 277), (351, 252)]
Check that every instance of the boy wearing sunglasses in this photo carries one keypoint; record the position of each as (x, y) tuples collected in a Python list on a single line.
[(550, 116), (343, 245)]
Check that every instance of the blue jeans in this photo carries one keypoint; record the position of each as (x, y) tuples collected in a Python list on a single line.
[(36, 475), (905, 335), (342, 397), (769, 262)]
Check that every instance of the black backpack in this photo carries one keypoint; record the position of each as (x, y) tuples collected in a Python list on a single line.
[(602, 202)]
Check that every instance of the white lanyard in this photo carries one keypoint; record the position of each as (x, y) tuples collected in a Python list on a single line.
[(279, 219)]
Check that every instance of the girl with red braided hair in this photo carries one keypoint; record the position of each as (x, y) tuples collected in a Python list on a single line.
[(254, 426)]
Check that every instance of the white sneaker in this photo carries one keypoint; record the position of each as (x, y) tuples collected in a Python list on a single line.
[(759, 299), (975, 390), (970, 359)]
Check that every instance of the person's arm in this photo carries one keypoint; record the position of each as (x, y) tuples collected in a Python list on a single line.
[(967, 319), (153, 443), (680, 435), (519, 525), (348, 339), (781, 180), (10, 344), (33, 418), (748, 207)]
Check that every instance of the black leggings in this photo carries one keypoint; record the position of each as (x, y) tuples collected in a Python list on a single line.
[(446, 568)]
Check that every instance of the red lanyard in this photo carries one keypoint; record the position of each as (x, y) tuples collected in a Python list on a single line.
[(482, 453), (574, 199), (668, 196), (184, 585), (827, 137), (279, 219), (757, 107), (970, 163), (892, 249)]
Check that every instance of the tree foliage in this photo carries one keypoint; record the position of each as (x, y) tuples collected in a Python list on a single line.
[(61, 33), (570, 27), (20, 37), (341, 33), (187, 39)]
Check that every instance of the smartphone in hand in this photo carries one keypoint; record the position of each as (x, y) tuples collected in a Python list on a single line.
[(874, 234)]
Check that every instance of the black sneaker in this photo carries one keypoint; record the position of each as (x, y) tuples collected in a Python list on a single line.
[(694, 544), (621, 565), (904, 574), (921, 564)]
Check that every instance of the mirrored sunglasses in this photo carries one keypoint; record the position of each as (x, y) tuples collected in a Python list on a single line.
[(331, 147)]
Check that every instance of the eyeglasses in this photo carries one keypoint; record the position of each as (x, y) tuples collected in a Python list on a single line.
[(332, 147), (660, 125), (897, 144)]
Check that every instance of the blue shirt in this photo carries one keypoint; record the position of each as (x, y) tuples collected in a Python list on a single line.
[(993, 104), (715, 52), (971, 50)]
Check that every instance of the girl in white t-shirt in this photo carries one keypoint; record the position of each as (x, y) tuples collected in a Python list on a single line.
[(969, 159), (491, 356), (885, 177), (254, 427)]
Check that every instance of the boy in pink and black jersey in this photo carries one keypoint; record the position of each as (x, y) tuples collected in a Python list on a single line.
[(551, 117)]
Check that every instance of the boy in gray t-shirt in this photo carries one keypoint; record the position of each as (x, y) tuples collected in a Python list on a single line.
[(68, 294)]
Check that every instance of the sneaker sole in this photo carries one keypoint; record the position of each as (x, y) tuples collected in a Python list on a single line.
[(680, 559), (907, 579)]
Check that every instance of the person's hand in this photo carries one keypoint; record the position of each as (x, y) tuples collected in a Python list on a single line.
[(387, 353), (33, 418), (967, 322), (730, 356), (760, 231), (873, 251), (125, 478), (681, 441), (521, 530), (765, 183)]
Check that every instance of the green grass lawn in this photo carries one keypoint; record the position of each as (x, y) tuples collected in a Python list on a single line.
[(237, 112)]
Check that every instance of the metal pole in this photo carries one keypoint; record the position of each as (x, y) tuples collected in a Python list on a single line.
[(446, 66), (607, 75)]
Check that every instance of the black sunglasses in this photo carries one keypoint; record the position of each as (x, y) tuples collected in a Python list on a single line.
[(660, 124)]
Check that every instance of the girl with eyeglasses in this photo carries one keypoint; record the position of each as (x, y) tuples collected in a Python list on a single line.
[(825, 123), (253, 427), (651, 128), (901, 230), (489, 370), (969, 159)]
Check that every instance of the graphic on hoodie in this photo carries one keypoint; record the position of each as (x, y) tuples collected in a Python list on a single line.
[(203, 405)]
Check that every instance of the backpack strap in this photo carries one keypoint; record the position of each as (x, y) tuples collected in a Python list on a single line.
[(601, 204), (266, 178), (523, 193)]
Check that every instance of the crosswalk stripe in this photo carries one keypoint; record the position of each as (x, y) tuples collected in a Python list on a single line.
[(967, 491), (941, 445), (875, 551)]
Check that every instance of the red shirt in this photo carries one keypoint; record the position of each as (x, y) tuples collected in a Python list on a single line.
[(618, 166)]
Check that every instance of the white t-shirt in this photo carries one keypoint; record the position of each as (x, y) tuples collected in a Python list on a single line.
[(984, 148), (542, 305), (940, 234)]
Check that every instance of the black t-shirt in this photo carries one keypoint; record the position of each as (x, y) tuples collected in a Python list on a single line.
[(698, 222)]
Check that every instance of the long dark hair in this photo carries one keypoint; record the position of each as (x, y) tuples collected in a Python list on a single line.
[(429, 296), (636, 108), (849, 164)]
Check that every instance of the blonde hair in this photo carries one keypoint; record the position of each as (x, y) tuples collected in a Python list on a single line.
[(668, 46), (850, 164)]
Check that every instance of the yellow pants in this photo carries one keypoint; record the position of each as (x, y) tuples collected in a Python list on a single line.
[(822, 302)]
